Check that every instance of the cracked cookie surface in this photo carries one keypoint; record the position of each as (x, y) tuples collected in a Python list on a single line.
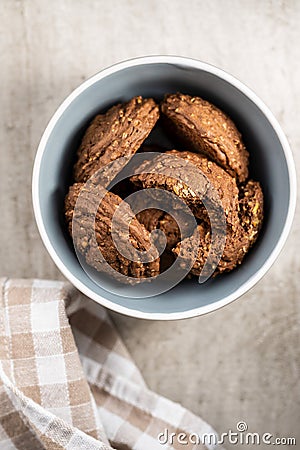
[(86, 223), (238, 240), (118, 133), (179, 172), (204, 128)]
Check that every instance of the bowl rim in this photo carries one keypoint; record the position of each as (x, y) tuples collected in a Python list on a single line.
[(195, 64)]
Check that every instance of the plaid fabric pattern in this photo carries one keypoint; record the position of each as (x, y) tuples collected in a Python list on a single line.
[(68, 382)]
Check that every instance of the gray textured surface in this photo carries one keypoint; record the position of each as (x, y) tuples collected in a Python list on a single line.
[(242, 362)]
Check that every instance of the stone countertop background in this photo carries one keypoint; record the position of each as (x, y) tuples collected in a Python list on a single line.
[(242, 362)]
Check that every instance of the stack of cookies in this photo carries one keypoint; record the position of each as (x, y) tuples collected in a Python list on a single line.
[(203, 136)]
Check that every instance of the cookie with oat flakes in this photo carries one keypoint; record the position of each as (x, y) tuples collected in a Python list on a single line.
[(118, 133), (86, 225), (204, 128)]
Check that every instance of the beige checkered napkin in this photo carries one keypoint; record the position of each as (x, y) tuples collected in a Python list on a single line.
[(56, 394)]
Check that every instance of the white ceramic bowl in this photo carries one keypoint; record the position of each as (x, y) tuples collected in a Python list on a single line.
[(271, 163)]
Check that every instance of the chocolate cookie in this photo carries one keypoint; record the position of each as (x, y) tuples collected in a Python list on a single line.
[(85, 222), (238, 240), (179, 172), (251, 209), (117, 133), (204, 128), (155, 219)]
